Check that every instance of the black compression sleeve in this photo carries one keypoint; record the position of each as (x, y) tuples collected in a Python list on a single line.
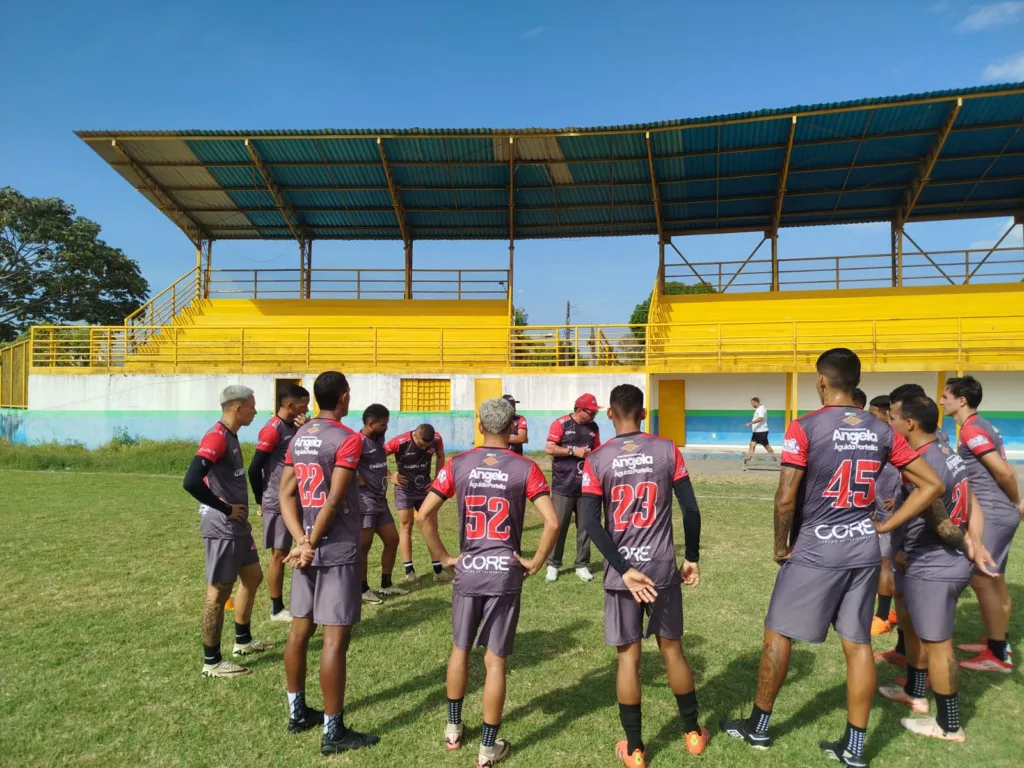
[(193, 483), (599, 536), (691, 518), (259, 461)]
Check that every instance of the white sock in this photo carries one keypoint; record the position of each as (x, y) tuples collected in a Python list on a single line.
[(295, 702)]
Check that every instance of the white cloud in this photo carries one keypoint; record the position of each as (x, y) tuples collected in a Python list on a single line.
[(1011, 69), (1014, 240), (538, 31), (991, 16)]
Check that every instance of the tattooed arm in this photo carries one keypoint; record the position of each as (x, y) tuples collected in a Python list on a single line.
[(937, 519), (785, 510)]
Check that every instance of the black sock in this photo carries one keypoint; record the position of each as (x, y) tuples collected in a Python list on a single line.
[(276, 605), (632, 724), (916, 682), (211, 654), (437, 566), (853, 740), (408, 568), (242, 634), (490, 734), (454, 711), (948, 712), (758, 720), (998, 648), (884, 605), (687, 703), (366, 586), (901, 646), (385, 580)]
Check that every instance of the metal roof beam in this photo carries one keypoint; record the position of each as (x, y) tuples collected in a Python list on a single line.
[(193, 230), (291, 218), (925, 168), (783, 176), (396, 201), (654, 190), (511, 196)]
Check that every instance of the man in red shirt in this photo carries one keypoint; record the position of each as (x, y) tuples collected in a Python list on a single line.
[(570, 440), (518, 434)]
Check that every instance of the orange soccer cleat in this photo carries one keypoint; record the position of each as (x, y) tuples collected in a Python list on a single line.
[(696, 741), (880, 627), (635, 760), (230, 604)]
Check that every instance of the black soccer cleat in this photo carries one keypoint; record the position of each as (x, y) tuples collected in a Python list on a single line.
[(837, 750), (348, 741), (311, 718), (739, 729)]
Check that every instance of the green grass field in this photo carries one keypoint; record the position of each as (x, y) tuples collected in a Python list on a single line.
[(102, 583)]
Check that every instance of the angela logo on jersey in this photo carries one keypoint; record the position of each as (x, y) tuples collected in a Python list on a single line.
[(490, 460), (852, 420), (629, 445)]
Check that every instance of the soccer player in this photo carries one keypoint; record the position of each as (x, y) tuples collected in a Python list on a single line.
[(759, 423), (570, 439), (320, 505), (831, 460), (995, 483), (265, 479), (860, 399), (491, 484), (518, 433), (937, 569), (373, 497), (633, 476), (414, 452), (216, 479), (886, 488)]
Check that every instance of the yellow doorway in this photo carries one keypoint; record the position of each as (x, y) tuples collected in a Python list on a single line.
[(483, 389), (672, 410)]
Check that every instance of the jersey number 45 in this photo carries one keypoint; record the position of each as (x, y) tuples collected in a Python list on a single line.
[(860, 492)]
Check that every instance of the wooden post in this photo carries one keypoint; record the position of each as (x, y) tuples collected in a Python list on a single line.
[(408, 270), (775, 262)]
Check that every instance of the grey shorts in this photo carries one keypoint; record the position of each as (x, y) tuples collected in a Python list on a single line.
[(998, 539), (624, 616), (408, 499), (885, 544), (327, 594), (275, 532), (488, 621), (378, 519), (226, 557), (932, 606), (806, 600)]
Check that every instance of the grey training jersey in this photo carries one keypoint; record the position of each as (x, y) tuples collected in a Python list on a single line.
[(842, 450), (274, 439), (977, 438), (226, 479), (567, 471), (373, 469), (491, 486), (318, 447), (414, 462), (927, 556), (886, 488), (633, 475)]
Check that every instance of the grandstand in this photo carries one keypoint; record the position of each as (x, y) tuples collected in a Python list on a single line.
[(438, 341)]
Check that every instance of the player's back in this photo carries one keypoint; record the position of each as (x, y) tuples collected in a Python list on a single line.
[(842, 450), (491, 487), (274, 439), (927, 556), (979, 437), (634, 475), (319, 446)]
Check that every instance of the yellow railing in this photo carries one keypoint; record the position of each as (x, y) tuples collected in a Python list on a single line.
[(14, 375), (935, 343), (967, 267), (169, 303)]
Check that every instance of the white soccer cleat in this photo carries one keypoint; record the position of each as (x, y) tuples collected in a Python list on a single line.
[(552, 574), (443, 577), (584, 574), (393, 591), (371, 597), (225, 669), (453, 736), (489, 756), (251, 648), (411, 577), (900, 696), (929, 727), (282, 615)]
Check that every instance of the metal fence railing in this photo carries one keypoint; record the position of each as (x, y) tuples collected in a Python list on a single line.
[(14, 365)]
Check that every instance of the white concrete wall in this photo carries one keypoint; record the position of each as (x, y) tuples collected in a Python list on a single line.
[(1001, 390), (873, 384), (558, 392)]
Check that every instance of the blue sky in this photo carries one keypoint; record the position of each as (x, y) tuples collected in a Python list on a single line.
[(138, 65)]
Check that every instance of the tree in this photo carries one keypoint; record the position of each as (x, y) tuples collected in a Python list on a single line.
[(642, 310), (54, 269), (520, 316)]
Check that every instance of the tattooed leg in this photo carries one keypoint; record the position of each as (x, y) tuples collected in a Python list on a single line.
[(213, 612), (774, 667)]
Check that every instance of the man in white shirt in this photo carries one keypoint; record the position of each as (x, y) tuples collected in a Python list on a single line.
[(759, 435)]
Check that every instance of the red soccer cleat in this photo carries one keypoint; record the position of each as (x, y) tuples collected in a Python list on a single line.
[(891, 657), (987, 662)]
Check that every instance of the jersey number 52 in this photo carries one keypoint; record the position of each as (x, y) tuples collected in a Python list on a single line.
[(477, 525)]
